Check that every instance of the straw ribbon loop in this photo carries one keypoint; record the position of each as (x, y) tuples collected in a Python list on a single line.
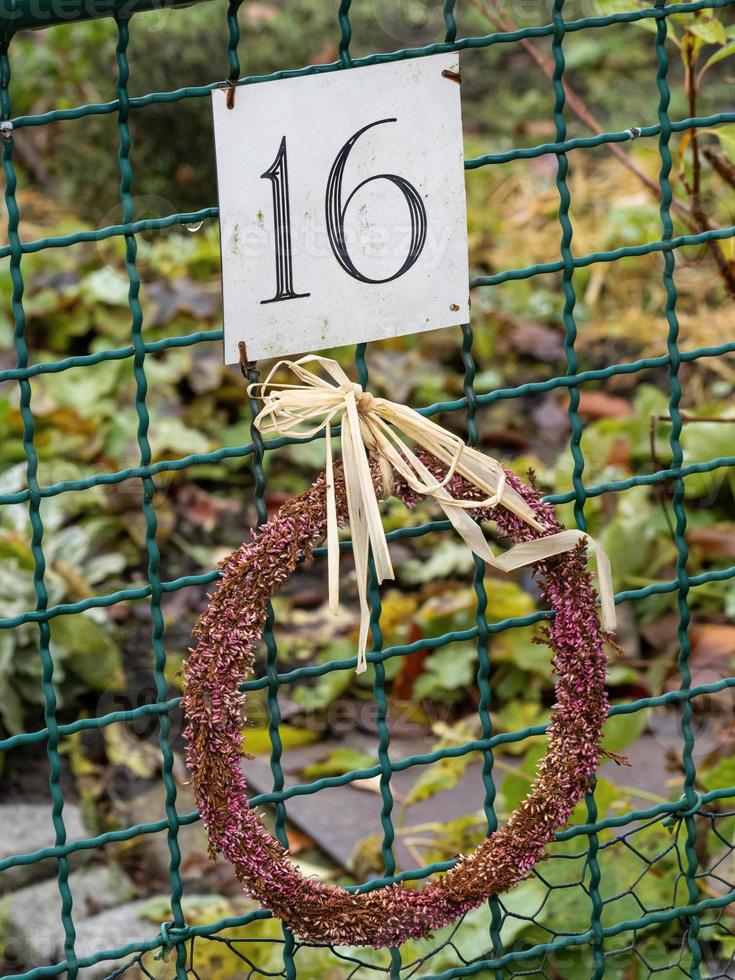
[(375, 427)]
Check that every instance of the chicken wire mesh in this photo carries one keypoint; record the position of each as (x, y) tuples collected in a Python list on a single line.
[(670, 918)]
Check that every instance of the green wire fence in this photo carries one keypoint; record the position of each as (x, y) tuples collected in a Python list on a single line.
[(696, 915)]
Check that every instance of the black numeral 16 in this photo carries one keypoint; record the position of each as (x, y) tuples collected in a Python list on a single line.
[(335, 211)]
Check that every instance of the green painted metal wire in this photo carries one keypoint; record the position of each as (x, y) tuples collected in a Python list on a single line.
[(575, 422), (149, 489), (681, 815), (34, 512), (682, 548)]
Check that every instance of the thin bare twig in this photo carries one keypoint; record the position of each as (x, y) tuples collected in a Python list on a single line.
[(696, 418), (722, 166), (501, 20), (695, 216), (691, 83)]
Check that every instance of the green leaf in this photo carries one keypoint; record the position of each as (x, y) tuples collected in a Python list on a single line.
[(450, 558), (517, 785), (630, 879), (606, 7), (630, 536), (725, 135), (338, 762), (507, 600), (440, 949), (438, 777), (103, 566), (16, 549), (523, 711), (566, 868), (720, 776), (257, 741), (458, 835), (622, 730), (328, 687), (450, 609), (704, 441), (308, 455), (710, 30), (106, 286), (90, 393), (519, 646), (619, 674), (11, 708), (608, 797), (447, 671), (454, 609), (173, 436), (729, 606), (123, 749), (197, 908), (521, 903), (725, 52), (90, 651)]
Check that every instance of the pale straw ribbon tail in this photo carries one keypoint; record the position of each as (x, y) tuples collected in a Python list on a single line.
[(375, 427)]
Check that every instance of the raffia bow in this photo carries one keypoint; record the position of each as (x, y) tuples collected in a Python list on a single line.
[(370, 427)]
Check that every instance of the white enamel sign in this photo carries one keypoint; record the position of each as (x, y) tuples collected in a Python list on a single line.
[(342, 207)]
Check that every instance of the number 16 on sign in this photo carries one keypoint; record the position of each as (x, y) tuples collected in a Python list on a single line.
[(342, 207)]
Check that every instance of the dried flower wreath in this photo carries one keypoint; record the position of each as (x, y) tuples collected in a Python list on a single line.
[(230, 629)]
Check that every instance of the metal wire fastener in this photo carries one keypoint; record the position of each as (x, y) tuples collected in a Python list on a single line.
[(229, 85), (634, 132), (6, 129), (247, 366), (169, 933), (683, 814)]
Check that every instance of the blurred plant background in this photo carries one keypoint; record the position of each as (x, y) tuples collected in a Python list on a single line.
[(76, 303)]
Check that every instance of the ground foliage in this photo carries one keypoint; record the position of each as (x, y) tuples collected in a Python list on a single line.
[(77, 303)]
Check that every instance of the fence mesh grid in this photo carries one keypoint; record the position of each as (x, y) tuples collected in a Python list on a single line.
[(701, 892)]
